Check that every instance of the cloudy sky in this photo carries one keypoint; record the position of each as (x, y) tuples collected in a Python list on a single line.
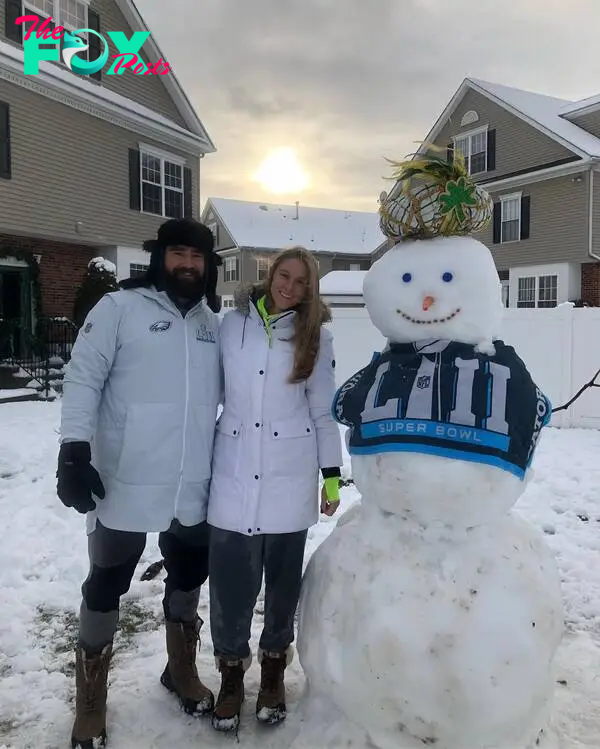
[(349, 82)]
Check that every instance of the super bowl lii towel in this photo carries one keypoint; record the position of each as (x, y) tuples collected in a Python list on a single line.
[(445, 398)]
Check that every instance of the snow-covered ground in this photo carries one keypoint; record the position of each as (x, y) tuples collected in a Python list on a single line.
[(43, 562)]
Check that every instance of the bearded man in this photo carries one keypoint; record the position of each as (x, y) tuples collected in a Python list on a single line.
[(140, 400)]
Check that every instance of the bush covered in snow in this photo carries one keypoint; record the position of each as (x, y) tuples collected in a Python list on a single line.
[(101, 277)]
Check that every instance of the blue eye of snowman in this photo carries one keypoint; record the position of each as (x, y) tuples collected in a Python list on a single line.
[(447, 277), (407, 278)]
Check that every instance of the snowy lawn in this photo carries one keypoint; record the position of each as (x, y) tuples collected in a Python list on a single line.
[(43, 562)]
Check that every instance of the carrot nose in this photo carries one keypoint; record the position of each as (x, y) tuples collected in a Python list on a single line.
[(427, 302)]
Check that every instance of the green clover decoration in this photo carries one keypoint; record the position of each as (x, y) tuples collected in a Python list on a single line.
[(458, 194)]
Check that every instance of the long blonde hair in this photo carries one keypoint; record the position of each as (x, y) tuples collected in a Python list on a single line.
[(311, 313)]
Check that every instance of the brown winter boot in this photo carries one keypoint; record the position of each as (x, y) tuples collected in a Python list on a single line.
[(226, 716), (270, 704), (91, 681), (181, 675)]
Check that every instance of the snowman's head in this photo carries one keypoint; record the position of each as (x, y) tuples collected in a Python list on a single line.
[(445, 287)]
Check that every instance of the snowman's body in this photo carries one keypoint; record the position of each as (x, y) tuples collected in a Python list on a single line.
[(432, 613), (433, 633)]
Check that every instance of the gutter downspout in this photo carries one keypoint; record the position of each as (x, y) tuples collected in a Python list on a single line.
[(570, 412), (591, 252)]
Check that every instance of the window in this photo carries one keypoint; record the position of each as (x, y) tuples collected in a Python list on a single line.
[(231, 268), (526, 292), (159, 183), (42, 9), (227, 302), (73, 14), (505, 293), (45, 7), (512, 218), (162, 186), (473, 146), (547, 291), (70, 14), (510, 230), (137, 269), (263, 266), (538, 291), (354, 266)]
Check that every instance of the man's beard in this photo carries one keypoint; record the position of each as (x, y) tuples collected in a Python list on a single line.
[(186, 287)]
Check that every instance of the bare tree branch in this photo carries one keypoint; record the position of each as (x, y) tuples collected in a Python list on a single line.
[(591, 384)]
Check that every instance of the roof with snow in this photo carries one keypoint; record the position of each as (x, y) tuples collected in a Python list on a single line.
[(271, 226), (578, 107), (546, 113), (343, 283)]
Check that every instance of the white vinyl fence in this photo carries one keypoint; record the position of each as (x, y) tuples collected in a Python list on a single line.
[(561, 347)]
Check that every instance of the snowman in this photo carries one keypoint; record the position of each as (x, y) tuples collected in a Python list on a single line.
[(432, 613)]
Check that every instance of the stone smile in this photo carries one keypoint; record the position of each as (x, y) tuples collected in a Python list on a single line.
[(428, 322)]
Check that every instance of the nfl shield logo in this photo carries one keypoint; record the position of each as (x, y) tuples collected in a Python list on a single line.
[(423, 381)]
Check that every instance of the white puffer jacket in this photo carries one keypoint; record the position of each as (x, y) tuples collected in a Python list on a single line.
[(273, 436), (143, 386)]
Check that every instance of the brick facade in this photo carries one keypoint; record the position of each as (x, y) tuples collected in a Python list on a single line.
[(590, 284), (62, 268)]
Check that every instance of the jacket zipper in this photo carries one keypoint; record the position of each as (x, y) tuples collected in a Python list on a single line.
[(185, 413)]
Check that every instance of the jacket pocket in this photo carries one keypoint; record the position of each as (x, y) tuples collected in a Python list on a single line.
[(293, 447), (152, 445), (228, 447)]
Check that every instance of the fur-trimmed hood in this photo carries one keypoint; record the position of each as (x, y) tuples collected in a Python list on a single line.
[(245, 294)]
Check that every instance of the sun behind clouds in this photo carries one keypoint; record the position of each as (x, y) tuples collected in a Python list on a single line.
[(280, 172)]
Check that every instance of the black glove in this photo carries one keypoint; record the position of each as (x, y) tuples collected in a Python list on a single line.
[(77, 477)]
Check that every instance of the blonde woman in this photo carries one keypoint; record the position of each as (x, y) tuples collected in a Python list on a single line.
[(275, 433)]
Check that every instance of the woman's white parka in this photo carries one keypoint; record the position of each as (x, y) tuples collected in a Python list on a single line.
[(273, 435)]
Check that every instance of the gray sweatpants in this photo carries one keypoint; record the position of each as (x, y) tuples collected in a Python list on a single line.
[(236, 564), (113, 558)]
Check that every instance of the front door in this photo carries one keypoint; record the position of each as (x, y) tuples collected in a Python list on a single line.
[(15, 306), (10, 294)]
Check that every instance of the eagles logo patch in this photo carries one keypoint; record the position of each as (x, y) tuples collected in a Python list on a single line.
[(160, 326)]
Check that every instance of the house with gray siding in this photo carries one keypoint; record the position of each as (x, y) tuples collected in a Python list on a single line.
[(90, 165), (249, 234), (539, 157)]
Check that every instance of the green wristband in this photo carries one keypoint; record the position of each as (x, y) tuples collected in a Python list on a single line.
[(332, 489)]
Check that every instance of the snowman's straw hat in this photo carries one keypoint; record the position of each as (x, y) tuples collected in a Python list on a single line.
[(433, 197)]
